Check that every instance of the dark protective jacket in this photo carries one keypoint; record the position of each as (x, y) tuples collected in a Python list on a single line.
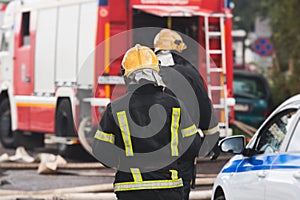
[(185, 83), (205, 119), (144, 135)]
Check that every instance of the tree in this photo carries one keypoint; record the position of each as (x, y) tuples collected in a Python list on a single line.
[(245, 12), (285, 19)]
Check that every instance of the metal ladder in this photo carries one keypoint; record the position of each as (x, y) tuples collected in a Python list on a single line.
[(221, 70)]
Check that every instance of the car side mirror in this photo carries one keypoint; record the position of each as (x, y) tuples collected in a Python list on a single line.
[(233, 144)]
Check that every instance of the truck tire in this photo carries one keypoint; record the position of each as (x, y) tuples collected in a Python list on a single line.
[(64, 123), (13, 139), (7, 136), (64, 126)]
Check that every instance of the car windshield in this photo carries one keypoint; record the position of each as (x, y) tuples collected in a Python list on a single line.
[(249, 88)]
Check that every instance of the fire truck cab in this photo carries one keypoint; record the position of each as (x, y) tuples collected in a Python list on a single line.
[(60, 60)]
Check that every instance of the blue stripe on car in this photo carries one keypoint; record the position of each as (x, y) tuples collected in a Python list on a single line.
[(287, 161), (263, 162)]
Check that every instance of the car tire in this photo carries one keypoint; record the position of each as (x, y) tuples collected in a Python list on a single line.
[(219, 195), (222, 197), (7, 136)]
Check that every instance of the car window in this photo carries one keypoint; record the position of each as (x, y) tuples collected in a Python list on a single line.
[(249, 87), (295, 139), (272, 135)]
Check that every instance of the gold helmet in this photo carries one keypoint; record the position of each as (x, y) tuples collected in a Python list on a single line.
[(139, 57), (167, 39)]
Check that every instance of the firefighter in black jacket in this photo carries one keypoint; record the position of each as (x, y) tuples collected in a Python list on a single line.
[(185, 82), (145, 134)]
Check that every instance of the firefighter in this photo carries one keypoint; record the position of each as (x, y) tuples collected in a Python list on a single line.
[(176, 71), (144, 133)]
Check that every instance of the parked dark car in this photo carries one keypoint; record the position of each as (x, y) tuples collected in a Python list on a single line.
[(253, 97)]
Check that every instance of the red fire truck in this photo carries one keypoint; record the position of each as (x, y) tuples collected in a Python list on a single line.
[(60, 60)]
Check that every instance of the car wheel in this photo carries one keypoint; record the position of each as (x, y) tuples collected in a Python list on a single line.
[(222, 197), (7, 136), (219, 195)]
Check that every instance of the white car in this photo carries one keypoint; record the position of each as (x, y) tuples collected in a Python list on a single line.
[(268, 168)]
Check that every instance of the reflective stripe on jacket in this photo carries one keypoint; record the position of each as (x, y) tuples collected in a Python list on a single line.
[(125, 134), (140, 184)]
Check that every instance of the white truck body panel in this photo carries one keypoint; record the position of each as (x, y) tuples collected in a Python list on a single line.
[(45, 51), (86, 44), (66, 46), (65, 43)]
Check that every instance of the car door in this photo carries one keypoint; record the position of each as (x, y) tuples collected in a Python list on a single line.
[(24, 43), (283, 180), (247, 183), (250, 179)]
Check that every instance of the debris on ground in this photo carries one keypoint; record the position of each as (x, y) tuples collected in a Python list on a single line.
[(60, 171), (21, 155), (47, 163)]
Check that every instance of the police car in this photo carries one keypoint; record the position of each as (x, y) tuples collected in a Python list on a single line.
[(269, 166)]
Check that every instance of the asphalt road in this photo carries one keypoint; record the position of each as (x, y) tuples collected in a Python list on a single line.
[(30, 180)]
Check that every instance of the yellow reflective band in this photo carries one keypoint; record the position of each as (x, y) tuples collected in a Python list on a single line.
[(174, 131), (211, 131), (186, 132), (125, 132), (105, 137), (146, 185), (136, 174), (174, 174)]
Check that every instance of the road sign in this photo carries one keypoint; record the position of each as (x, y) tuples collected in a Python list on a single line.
[(263, 47)]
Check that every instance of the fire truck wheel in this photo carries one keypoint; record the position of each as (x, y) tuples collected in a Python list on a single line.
[(7, 136), (64, 125)]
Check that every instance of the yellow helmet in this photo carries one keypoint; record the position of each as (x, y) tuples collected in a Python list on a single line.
[(139, 57), (168, 39)]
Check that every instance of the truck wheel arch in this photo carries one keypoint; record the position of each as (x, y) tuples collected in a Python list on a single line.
[(7, 93)]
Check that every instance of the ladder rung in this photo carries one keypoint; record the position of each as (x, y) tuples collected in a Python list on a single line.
[(215, 51), (216, 87), (215, 33), (215, 69)]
